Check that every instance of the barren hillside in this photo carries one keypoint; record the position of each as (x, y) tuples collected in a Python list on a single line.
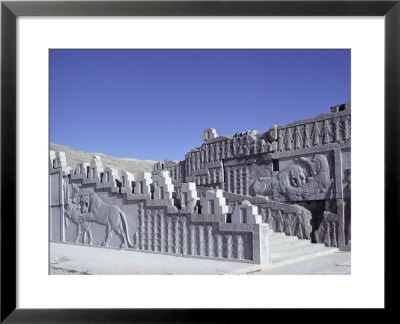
[(75, 156)]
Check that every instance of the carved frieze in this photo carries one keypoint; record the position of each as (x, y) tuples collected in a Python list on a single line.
[(328, 231), (306, 179)]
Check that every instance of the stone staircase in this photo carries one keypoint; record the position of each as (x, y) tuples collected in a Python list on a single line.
[(289, 249)]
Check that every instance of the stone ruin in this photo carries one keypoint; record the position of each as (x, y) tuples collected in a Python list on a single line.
[(223, 201)]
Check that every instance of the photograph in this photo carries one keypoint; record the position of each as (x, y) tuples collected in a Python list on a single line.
[(187, 161), (199, 161)]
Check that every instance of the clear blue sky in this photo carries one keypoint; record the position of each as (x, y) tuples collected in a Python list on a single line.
[(155, 104)]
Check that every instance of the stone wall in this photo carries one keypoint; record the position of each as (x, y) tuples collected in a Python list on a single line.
[(222, 201), (307, 162), (95, 205)]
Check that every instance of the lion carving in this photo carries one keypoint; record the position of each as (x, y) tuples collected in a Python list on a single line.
[(306, 180), (109, 215), (72, 212)]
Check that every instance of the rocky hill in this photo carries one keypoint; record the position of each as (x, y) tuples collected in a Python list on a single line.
[(75, 156)]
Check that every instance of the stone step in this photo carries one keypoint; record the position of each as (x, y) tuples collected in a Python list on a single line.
[(302, 256), (282, 239), (277, 234), (295, 249), (275, 246), (286, 249)]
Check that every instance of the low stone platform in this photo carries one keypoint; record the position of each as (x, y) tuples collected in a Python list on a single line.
[(90, 260)]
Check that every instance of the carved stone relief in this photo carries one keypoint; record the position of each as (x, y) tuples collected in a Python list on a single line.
[(327, 232), (305, 180), (85, 208), (291, 223), (175, 217)]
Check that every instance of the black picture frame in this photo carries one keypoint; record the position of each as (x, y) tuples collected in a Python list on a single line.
[(10, 10)]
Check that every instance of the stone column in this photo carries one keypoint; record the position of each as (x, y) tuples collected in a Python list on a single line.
[(228, 179), (163, 232), (245, 185), (202, 251), (214, 175), (192, 240), (198, 160), (169, 234), (176, 235), (141, 227), (155, 230), (336, 123), (148, 229), (239, 247), (57, 218), (210, 242), (228, 246), (339, 195), (184, 236), (340, 229), (193, 162), (263, 243), (234, 180), (239, 182), (220, 247)]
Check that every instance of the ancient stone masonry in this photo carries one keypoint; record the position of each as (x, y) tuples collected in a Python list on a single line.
[(318, 131), (139, 212), (306, 162), (223, 201)]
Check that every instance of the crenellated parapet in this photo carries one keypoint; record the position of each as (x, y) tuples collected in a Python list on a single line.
[(109, 178), (96, 167), (188, 197), (246, 213), (57, 160), (174, 168), (127, 182), (163, 187), (214, 202), (81, 171), (142, 189)]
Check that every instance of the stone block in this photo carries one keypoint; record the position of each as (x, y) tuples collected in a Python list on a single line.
[(246, 213), (127, 179), (143, 182), (208, 134), (187, 186), (272, 133)]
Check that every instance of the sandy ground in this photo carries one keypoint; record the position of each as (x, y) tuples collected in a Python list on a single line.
[(68, 259)]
